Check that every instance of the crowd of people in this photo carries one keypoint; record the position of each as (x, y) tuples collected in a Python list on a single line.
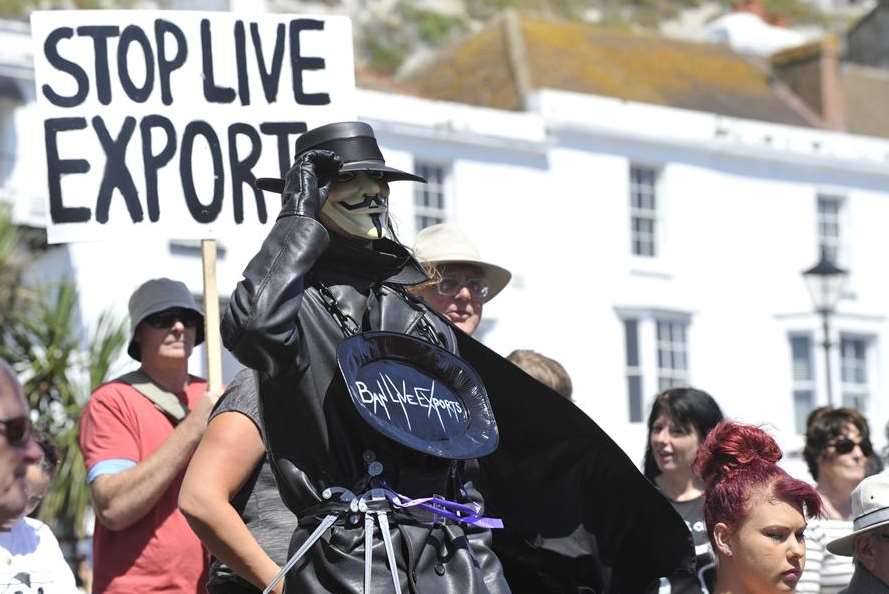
[(200, 491), (839, 456)]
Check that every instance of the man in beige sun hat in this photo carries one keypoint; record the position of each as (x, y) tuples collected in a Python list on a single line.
[(461, 281), (869, 541)]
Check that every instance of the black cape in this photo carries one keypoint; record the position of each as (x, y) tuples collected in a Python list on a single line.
[(571, 500)]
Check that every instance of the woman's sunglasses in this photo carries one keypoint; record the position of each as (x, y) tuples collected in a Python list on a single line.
[(165, 319), (17, 430), (844, 445)]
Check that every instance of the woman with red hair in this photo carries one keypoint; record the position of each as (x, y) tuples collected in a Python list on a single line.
[(755, 512)]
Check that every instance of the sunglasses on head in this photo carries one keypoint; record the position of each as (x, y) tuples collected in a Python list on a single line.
[(17, 430), (165, 319), (449, 286), (844, 445)]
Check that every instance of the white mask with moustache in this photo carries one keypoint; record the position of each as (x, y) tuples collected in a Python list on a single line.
[(358, 205)]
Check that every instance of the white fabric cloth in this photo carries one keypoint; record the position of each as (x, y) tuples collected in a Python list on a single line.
[(31, 561), (825, 573)]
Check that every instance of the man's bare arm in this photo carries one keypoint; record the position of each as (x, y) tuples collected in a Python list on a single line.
[(122, 499)]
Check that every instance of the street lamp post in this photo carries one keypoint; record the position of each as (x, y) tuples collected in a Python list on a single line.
[(825, 281)]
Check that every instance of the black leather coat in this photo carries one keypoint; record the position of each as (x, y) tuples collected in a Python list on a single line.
[(279, 323)]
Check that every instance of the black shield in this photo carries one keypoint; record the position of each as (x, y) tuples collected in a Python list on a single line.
[(418, 395)]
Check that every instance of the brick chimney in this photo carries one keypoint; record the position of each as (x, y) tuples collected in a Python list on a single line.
[(833, 100), (813, 73)]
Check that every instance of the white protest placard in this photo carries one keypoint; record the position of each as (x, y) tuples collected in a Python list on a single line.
[(160, 121)]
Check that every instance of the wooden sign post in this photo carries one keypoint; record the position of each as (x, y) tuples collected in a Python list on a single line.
[(211, 316)]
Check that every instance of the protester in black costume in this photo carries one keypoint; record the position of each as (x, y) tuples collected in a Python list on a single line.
[(328, 270), (285, 320)]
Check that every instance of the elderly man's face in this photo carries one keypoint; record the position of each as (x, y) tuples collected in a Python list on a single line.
[(459, 295), (872, 551), (17, 449), (167, 338)]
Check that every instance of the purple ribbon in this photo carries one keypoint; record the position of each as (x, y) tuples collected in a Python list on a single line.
[(445, 508)]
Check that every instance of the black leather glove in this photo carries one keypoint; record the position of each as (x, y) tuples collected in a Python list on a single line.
[(308, 182)]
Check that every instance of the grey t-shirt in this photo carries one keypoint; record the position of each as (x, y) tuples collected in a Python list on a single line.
[(704, 580), (258, 501)]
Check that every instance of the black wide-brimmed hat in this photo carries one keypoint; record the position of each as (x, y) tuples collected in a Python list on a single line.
[(418, 394), (356, 145)]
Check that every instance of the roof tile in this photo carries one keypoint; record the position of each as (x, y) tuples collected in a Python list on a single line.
[(586, 59)]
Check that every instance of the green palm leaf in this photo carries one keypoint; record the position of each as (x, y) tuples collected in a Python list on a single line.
[(41, 336)]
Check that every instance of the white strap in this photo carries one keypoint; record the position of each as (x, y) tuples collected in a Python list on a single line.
[(390, 551), (326, 523), (368, 552)]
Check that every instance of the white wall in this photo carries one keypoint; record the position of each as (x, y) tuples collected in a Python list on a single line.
[(545, 194), (738, 227)]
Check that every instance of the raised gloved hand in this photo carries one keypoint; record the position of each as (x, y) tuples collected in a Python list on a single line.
[(308, 182)]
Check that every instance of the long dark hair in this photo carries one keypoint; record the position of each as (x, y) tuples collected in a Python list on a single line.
[(687, 407)]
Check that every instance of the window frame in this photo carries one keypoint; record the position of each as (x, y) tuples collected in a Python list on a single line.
[(643, 378), (433, 187), (803, 385), (673, 375), (831, 244), (856, 394), (640, 212), (633, 370)]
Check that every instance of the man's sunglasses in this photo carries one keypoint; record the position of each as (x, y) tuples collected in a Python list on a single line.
[(449, 286), (844, 445), (17, 430), (165, 319)]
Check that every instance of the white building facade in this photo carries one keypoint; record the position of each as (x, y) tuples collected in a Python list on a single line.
[(650, 246)]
